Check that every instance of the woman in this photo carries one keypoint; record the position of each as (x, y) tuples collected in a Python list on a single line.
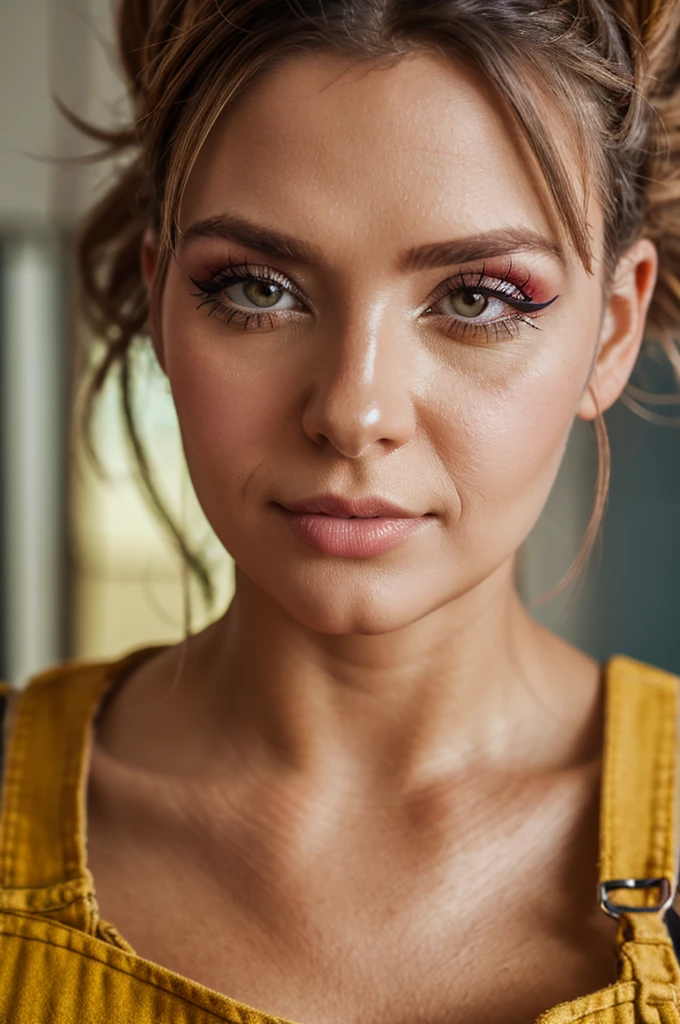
[(385, 255)]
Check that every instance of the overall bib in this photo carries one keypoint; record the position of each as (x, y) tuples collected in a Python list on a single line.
[(61, 964)]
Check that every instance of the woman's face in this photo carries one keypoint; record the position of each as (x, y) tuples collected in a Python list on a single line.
[(393, 352)]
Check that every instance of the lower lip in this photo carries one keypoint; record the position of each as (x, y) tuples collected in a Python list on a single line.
[(351, 538)]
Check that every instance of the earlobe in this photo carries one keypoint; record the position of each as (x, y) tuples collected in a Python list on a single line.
[(622, 329)]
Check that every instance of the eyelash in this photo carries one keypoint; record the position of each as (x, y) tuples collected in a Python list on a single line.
[(515, 297)]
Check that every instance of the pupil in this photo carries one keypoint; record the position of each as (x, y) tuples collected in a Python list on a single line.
[(469, 302), (262, 292)]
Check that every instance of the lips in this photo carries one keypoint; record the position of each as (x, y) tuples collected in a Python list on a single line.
[(348, 508), (351, 527)]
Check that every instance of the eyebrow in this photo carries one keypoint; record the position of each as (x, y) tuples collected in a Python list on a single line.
[(484, 245)]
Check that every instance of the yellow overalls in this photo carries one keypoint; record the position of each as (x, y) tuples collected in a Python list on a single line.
[(61, 964)]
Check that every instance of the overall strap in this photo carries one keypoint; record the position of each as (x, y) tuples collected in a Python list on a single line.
[(43, 864), (638, 828)]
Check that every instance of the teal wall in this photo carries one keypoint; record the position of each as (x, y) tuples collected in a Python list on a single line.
[(628, 600)]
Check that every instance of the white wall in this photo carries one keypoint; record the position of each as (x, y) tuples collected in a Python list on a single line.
[(63, 46)]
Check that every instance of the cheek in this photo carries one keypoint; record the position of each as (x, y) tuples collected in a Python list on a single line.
[(228, 414), (526, 430), (502, 434)]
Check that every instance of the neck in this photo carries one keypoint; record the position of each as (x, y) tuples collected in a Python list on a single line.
[(460, 687)]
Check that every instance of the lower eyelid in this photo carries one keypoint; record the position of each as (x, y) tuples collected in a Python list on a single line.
[(508, 326)]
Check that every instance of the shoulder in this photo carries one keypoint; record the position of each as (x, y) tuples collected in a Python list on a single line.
[(14, 697), (76, 670), (52, 677), (62, 685)]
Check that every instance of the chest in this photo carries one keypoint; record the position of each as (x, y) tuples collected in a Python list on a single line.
[(487, 937)]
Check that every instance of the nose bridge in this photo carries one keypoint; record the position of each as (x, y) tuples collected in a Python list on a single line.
[(361, 392)]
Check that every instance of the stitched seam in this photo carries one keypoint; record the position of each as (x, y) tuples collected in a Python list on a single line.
[(648, 942), (66, 891), (68, 757), (13, 782), (33, 911), (37, 695), (662, 1002), (664, 768), (656, 780), (609, 825), (70, 788), (617, 1000), (236, 1018), (589, 1013), (610, 1006)]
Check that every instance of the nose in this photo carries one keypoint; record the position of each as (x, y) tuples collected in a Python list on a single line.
[(361, 393)]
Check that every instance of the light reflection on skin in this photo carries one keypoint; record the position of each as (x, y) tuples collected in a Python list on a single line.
[(362, 393)]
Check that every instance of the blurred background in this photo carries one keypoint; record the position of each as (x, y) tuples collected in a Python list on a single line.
[(85, 569)]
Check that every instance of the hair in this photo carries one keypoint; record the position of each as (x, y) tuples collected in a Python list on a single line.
[(613, 68)]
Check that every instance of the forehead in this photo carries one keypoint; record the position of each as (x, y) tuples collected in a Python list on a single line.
[(343, 150)]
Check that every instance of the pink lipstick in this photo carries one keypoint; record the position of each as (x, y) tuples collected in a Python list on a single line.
[(351, 528)]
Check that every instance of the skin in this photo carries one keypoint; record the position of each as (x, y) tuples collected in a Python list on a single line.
[(375, 782)]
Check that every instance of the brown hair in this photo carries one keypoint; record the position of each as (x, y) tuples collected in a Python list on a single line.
[(185, 60)]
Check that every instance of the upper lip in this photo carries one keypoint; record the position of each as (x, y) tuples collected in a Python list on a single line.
[(335, 505)]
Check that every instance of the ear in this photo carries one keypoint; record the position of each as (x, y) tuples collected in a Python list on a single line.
[(622, 328), (149, 260)]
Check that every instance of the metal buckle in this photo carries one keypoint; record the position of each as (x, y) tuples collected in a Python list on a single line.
[(616, 909)]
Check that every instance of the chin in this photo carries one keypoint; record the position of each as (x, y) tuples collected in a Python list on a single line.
[(359, 618), (365, 604), (367, 598)]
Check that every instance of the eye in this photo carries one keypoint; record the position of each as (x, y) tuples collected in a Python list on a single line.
[(474, 303), (248, 296), (484, 305), (259, 293), (468, 303), (260, 296)]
